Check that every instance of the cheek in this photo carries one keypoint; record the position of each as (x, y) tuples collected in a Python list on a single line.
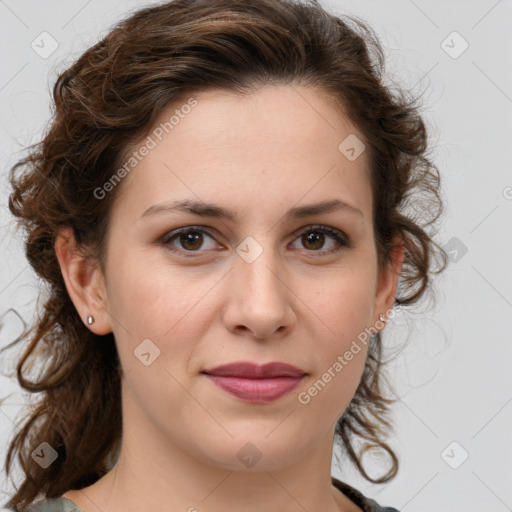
[(340, 359), (342, 309), (344, 351), (155, 300), (343, 304), (155, 312)]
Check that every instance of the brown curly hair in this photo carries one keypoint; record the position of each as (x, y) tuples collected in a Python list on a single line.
[(107, 101)]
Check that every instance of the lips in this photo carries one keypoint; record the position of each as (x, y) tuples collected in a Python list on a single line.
[(250, 370), (254, 383)]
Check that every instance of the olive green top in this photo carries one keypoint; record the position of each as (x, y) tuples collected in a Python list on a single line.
[(54, 505), (364, 503)]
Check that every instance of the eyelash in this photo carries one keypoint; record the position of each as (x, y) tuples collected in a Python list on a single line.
[(341, 240)]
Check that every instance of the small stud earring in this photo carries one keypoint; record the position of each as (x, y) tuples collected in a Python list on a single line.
[(382, 318), (90, 319)]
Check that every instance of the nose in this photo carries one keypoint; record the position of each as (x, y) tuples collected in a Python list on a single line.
[(258, 299)]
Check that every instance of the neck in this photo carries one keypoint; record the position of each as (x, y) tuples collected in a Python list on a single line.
[(152, 471)]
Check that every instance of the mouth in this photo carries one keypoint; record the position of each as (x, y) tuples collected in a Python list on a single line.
[(254, 383)]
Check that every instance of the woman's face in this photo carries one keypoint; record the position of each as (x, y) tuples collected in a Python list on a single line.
[(266, 285)]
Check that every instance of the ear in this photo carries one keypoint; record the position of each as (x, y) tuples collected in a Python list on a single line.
[(387, 282), (84, 281)]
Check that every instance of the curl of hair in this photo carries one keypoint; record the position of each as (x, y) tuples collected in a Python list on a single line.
[(104, 104)]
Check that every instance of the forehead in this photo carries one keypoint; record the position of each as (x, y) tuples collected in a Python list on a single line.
[(279, 114), (280, 142)]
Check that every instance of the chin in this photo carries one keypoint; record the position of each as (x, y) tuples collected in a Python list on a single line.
[(264, 449)]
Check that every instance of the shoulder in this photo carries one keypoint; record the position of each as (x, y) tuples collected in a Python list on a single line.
[(363, 502), (53, 505)]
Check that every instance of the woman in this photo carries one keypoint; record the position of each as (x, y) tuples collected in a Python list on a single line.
[(219, 209)]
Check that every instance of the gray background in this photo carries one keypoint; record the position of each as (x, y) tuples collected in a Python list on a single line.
[(453, 379)]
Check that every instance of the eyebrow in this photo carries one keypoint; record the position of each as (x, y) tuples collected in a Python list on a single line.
[(211, 210)]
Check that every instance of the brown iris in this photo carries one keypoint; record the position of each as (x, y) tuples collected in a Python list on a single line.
[(314, 237), (191, 240)]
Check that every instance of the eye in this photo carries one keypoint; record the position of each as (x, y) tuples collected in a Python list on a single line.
[(314, 239), (191, 239)]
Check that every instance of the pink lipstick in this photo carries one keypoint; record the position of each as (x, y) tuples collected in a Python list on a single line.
[(254, 383)]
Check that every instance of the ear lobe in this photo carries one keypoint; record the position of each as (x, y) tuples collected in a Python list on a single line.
[(388, 280), (84, 282)]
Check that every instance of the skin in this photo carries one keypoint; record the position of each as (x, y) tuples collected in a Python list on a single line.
[(260, 155)]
